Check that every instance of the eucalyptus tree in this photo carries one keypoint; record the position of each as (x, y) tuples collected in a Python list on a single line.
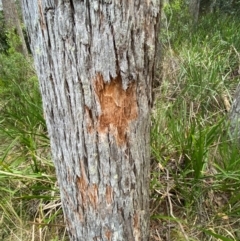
[(96, 61), (234, 115), (13, 22), (194, 6)]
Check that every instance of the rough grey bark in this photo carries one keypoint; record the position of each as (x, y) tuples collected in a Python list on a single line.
[(194, 10), (95, 62), (12, 22), (234, 116)]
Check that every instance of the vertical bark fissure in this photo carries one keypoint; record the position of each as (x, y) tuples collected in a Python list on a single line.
[(157, 56), (115, 50)]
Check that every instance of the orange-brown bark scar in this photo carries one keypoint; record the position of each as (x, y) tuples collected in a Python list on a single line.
[(136, 226), (118, 107), (89, 120), (109, 194), (42, 21), (108, 234), (89, 192)]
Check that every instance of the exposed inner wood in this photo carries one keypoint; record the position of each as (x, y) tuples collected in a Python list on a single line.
[(136, 226), (89, 192), (118, 107), (108, 235), (109, 195), (89, 121)]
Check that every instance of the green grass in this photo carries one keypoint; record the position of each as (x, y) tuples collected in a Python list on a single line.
[(195, 163), (30, 207)]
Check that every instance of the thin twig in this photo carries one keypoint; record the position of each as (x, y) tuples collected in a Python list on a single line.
[(171, 208), (47, 224)]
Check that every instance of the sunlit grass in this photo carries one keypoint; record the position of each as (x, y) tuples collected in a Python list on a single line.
[(195, 162)]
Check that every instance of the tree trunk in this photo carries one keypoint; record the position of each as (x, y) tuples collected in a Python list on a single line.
[(194, 10), (12, 22), (234, 116), (95, 62), (9, 13)]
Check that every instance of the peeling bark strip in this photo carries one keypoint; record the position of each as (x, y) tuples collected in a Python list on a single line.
[(96, 61)]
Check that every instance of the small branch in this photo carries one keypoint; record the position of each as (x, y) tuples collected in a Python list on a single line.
[(171, 208)]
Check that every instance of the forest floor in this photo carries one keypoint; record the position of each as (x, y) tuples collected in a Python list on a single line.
[(195, 158)]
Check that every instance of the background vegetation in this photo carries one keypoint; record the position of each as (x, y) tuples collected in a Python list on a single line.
[(195, 178)]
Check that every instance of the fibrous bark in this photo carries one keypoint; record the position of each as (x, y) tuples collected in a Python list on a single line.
[(96, 61)]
